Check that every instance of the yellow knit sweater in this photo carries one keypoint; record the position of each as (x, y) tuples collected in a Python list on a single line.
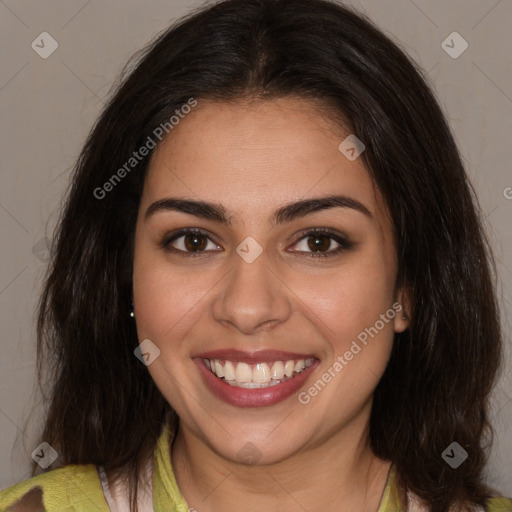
[(77, 488)]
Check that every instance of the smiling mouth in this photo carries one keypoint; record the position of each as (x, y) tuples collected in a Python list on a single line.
[(259, 375)]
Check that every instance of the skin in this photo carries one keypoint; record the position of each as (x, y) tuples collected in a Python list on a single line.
[(254, 158)]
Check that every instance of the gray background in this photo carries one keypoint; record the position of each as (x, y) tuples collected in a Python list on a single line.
[(49, 105)]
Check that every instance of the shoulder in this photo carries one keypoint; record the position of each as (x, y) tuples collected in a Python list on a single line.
[(32, 501), (498, 505), (75, 488)]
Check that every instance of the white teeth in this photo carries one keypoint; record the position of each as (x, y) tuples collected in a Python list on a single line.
[(253, 385), (277, 371), (300, 366), (260, 375), (229, 371), (288, 368), (243, 373), (218, 368)]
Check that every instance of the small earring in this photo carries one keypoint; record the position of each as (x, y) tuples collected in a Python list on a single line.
[(132, 314), (403, 313)]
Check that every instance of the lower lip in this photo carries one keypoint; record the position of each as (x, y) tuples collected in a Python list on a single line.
[(259, 397)]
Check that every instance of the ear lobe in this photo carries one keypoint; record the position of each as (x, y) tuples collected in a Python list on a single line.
[(32, 501), (403, 314)]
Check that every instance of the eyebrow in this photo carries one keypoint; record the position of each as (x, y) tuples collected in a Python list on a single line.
[(217, 213)]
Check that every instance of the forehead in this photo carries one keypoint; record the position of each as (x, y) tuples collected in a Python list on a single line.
[(255, 156)]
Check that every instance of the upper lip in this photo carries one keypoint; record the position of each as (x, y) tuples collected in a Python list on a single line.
[(258, 356)]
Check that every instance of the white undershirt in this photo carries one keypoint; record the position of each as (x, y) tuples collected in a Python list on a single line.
[(117, 496)]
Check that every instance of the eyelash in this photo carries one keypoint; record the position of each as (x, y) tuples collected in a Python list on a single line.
[(344, 244)]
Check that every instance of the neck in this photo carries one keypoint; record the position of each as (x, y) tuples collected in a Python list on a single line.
[(340, 475)]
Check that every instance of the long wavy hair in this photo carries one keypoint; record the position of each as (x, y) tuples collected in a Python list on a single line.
[(102, 405)]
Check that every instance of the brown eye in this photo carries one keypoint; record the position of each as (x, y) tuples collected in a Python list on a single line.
[(189, 242), (319, 243), (195, 242)]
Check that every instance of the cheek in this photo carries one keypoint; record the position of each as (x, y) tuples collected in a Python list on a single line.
[(350, 298), (163, 299), (169, 298), (353, 311)]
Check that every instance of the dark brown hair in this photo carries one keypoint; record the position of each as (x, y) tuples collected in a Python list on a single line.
[(105, 409)]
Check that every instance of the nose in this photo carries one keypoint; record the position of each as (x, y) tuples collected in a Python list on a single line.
[(253, 297)]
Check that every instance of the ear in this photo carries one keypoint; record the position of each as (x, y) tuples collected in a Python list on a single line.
[(402, 306), (32, 501)]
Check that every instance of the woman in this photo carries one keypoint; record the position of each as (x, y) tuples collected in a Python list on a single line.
[(271, 287)]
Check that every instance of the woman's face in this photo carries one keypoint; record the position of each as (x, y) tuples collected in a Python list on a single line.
[(301, 323)]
